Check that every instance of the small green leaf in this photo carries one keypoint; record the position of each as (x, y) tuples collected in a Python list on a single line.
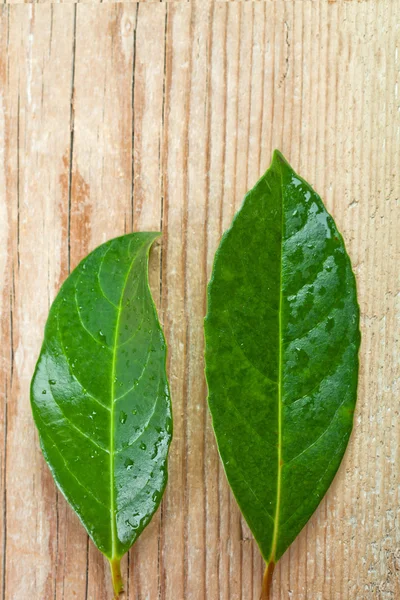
[(282, 339), (100, 395)]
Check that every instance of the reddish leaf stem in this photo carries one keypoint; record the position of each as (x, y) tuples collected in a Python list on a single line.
[(267, 581)]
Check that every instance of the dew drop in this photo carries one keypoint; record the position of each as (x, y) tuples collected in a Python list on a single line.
[(143, 446), (52, 381), (44, 392), (134, 411), (154, 497), (128, 464), (122, 417)]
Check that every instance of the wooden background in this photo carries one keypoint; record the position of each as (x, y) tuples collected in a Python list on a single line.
[(148, 116)]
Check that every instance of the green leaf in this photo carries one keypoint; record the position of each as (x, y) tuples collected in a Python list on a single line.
[(282, 339), (100, 395)]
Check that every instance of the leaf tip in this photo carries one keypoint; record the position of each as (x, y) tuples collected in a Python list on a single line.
[(278, 157)]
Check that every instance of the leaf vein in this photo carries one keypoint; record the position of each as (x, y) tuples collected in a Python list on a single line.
[(321, 319), (320, 436), (132, 442), (78, 428), (136, 382), (316, 485), (131, 500), (135, 335), (313, 276), (247, 359), (71, 371), (333, 368), (98, 278), (249, 425), (255, 495), (68, 468), (84, 326)]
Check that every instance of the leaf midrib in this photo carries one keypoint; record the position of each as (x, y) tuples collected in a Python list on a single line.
[(278, 485)]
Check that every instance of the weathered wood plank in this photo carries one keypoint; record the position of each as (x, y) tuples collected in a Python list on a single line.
[(175, 165), (161, 116), (36, 119)]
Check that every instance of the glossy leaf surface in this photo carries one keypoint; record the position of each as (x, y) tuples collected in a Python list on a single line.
[(100, 396), (282, 339)]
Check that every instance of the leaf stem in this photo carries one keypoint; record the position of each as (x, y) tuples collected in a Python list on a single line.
[(115, 564), (267, 581)]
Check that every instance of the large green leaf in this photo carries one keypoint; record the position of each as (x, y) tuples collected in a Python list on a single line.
[(100, 396), (282, 339)]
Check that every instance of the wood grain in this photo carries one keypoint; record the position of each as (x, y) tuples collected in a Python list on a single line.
[(148, 116)]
